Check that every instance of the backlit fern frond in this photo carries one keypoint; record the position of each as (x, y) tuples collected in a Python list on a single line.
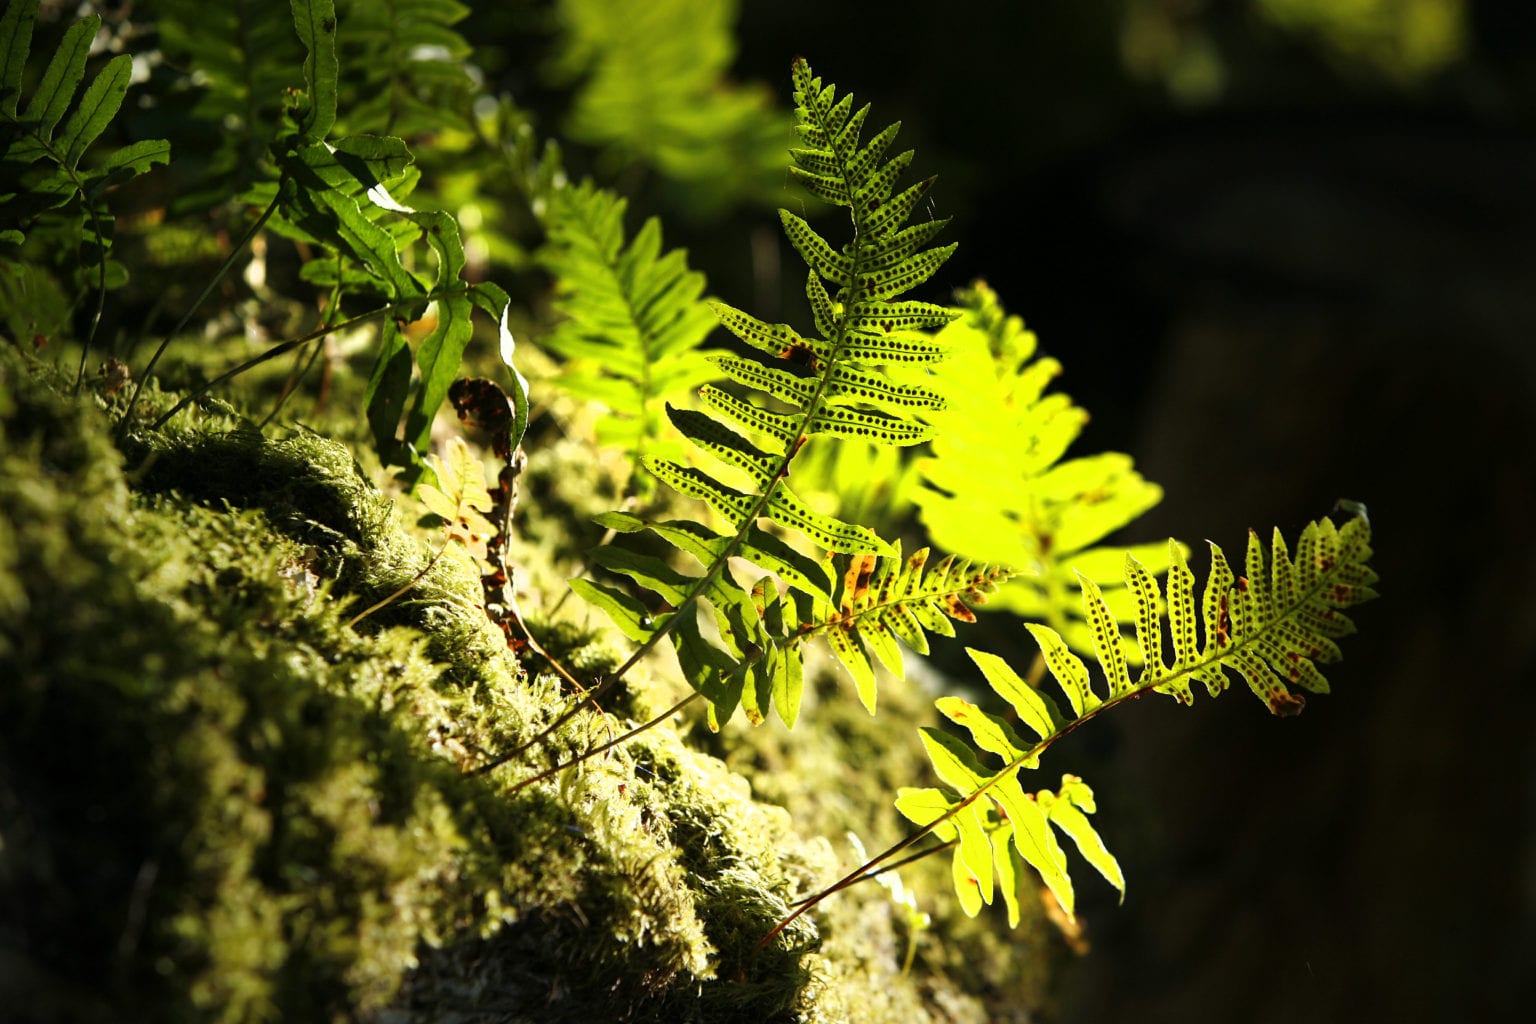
[(996, 486), (888, 598), (634, 316), (827, 382), (654, 89), (1272, 627), (880, 599)]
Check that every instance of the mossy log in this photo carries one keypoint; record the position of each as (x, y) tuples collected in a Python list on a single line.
[(220, 802)]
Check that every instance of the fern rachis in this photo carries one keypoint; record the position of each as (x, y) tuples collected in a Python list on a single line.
[(831, 384), (1271, 627)]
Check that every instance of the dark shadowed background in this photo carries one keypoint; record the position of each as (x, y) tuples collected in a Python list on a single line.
[(1287, 253), (1286, 250)]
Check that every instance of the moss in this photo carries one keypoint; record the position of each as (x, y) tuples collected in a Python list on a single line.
[(219, 802)]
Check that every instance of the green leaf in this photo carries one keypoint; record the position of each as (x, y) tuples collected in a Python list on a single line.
[(66, 70), (953, 761), (16, 32), (519, 394), (101, 102), (628, 614), (1036, 711), (441, 352), (388, 390), (131, 160), (315, 22), (988, 731), (1067, 810)]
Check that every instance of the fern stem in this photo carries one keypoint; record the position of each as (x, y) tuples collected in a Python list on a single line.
[(589, 754), (885, 869), (101, 291), (285, 347), (302, 366), (224, 268), (853, 877), (403, 588)]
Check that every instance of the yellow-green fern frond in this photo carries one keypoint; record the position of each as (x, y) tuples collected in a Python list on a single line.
[(634, 317), (831, 381), (996, 486), (1272, 627), (888, 598)]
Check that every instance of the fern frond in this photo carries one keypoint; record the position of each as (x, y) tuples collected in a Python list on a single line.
[(47, 185), (653, 89), (888, 598), (459, 498), (996, 487), (830, 382), (634, 318), (239, 59), (1272, 627), (402, 66)]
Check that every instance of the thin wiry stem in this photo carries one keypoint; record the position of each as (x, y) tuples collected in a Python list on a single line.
[(283, 348), (224, 268)]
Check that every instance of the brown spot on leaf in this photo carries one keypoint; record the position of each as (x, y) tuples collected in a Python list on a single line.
[(956, 609), (1285, 703), (856, 581)]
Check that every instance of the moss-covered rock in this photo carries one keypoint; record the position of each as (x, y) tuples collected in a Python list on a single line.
[(224, 797)]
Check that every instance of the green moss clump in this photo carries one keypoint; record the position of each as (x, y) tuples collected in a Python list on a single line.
[(219, 801)]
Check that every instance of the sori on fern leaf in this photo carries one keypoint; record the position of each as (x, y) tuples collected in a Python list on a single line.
[(828, 382), (1271, 627)]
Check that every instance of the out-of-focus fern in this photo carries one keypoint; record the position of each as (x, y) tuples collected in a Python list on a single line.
[(402, 66), (996, 488), (653, 89), (47, 190), (1272, 627), (634, 318), (829, 384), (342, 197), (240, 58)]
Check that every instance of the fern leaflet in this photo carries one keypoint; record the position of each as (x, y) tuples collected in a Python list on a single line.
[(886, 598), (830, 383), (459, 498), (1272, 627)]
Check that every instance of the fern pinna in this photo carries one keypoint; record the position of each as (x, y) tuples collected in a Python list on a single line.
[(1271, 626), (830, 383)]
